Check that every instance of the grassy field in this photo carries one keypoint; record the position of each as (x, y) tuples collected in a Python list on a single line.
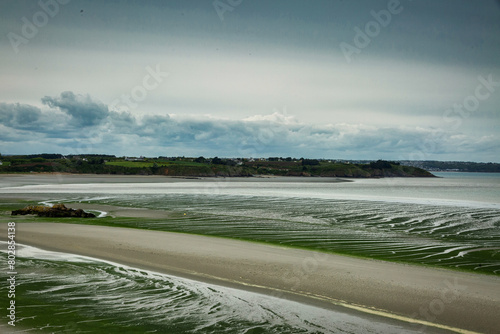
[(132, 164), (149, 164)]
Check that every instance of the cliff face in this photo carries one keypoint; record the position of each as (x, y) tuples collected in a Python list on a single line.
[(58, 210)]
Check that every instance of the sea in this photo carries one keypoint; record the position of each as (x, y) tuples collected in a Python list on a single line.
[(452, 221)]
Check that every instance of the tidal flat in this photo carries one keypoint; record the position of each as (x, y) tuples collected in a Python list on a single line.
[(393, 220)]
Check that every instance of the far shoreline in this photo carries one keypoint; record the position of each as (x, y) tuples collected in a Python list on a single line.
[(68, 178), (203, 177)]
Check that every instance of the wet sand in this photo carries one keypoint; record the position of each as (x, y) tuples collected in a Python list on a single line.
[(16, 180), (418, 294)]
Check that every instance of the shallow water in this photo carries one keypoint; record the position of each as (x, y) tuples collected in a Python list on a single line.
[(453, 189), (453, 221)]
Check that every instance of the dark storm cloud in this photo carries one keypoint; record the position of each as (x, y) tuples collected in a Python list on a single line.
[(83, 110), (18, 115)]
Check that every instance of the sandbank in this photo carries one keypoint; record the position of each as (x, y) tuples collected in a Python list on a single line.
[(451, 299)]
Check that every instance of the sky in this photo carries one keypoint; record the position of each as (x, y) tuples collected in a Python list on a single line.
[(333, 79)]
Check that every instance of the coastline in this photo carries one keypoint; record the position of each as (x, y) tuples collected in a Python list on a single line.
[(21, 179), (468, 301)]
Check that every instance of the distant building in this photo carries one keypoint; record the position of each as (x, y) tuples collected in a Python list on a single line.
[(134, 159)]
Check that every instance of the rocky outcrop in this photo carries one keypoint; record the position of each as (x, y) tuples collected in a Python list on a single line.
[(58, 210)]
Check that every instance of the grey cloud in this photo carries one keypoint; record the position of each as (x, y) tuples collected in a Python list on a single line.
[(21, 116), (271, 135), (123, 122), (243, 138), (83, 110)]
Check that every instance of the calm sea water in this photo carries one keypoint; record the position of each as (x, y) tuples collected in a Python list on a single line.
[(460, 189), (452, 221)]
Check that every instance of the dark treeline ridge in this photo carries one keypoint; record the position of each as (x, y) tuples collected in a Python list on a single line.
[(203, 167)]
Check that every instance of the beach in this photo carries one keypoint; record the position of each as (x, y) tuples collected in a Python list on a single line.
[(426, 296)]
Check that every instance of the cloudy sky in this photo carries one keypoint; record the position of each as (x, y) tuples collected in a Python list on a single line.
[(416, 80)]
